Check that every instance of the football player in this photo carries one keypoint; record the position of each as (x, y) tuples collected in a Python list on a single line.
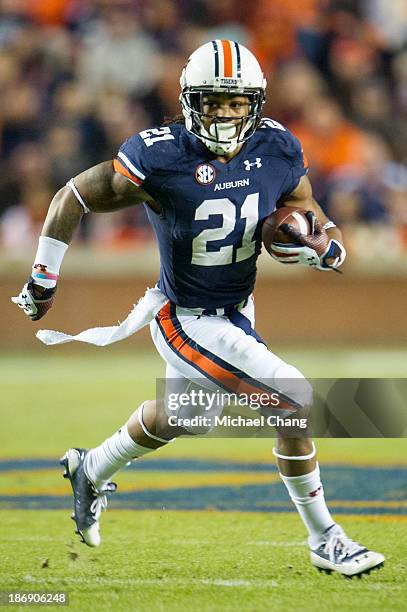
[(208, 182)]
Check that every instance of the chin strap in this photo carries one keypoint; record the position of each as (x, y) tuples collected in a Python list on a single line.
[(218, 149)]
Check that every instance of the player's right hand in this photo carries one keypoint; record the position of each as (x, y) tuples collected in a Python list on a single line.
[(35, 300)]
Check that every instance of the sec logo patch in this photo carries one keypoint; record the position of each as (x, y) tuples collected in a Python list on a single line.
[(205, 174)]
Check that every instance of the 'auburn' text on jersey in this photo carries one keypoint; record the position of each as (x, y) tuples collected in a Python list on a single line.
[(209, 230)]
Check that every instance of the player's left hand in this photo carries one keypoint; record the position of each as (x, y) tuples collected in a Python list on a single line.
[(316, 249)]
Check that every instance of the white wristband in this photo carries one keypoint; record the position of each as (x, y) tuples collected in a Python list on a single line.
[(328, 225), (48, 260)]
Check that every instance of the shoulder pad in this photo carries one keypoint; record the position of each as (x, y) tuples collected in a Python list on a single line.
[(283, 142), (146, 151)]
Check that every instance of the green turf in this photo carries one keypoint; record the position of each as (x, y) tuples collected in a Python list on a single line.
[(203, 561)]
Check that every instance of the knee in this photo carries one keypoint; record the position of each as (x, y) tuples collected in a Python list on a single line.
[(294, 385), (196, 420)]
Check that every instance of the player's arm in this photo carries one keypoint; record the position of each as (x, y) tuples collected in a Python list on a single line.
[(98, 189), (334, 254), (301, 197)]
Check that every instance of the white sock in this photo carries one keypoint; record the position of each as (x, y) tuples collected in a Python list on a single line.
[(112, 455), (307, 494)]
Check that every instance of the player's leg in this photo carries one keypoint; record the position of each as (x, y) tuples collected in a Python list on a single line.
[(215, 347), (90, 471), (331, 549), (299, 470), (134, 439)]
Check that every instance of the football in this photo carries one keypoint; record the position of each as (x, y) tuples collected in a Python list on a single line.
[(272, 231)]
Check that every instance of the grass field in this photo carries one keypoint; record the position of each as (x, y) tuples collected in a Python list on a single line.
[(195, 561), (203, 523)]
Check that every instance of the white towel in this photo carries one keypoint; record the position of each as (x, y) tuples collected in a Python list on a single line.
[(142, 314)]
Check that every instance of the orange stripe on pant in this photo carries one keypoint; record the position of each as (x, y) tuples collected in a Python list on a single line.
[(225, 378), (123, 170), (227, 58)]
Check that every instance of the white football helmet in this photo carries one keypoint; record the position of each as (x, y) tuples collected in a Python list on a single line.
[(222, 66)]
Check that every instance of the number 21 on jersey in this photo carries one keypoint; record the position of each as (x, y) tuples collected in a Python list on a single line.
[(201, 256)]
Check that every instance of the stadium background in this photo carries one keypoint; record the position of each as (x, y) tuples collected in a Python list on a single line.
[(76, 78)]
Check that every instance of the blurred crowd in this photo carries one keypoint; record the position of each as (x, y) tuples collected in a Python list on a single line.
[(77, 77)]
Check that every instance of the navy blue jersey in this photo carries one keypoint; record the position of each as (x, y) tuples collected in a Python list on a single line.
[(209, 230)]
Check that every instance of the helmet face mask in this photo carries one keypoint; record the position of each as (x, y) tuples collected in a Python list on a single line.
[(219, 138), (202, 78)]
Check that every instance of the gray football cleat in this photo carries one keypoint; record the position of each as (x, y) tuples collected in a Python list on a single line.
[(338, 553), (88, 501)]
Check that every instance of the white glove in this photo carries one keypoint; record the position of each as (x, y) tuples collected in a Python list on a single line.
[(313, 250), (306, 256)]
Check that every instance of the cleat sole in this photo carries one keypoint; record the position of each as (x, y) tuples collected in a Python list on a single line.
[(368, 571), (359, 575), (64, 461)]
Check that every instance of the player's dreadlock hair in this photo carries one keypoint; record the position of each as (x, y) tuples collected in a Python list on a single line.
[(175, 119)]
